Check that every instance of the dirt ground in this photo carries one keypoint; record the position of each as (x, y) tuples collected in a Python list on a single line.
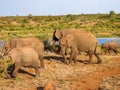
[(77, 76)]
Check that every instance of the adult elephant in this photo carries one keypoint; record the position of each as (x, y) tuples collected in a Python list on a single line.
[(79, 42), (58, 34), (107, 47), (32, 42)]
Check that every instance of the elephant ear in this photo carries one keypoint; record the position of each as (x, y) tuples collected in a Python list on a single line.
[(58, 34), (63, 33), (69, 40), (13, 43)]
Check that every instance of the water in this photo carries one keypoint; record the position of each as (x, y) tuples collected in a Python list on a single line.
[(1, 44), (103, 40)]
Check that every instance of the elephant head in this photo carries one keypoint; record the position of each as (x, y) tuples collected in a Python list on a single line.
[(65, 43), (8, 45), (6, 48), (58, 34)]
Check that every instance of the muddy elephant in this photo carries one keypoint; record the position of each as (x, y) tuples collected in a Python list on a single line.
[(32, 42), (107, 47), (79, 42), (23, 56)]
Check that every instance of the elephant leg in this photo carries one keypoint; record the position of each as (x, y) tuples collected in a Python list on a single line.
[(75, 56), (6, 72), (115, 51), (65, 58), (90, 58), (41, 62), (109, 51), (105, 51), (71, 57), (17, 67), (101, 51), (37, 72), (90, 53), (98, 58)]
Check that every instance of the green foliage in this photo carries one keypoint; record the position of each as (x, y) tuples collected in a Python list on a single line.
[(44, 26), (112, 13)]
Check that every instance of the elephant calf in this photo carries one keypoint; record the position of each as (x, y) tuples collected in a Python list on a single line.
[(109, 46), (24, 56)]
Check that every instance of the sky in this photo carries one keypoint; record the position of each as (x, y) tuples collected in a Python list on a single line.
[(57, 7)]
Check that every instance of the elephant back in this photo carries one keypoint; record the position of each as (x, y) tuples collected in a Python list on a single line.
[(85, 40)]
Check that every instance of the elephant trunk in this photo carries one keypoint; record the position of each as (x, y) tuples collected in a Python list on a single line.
[(5, 52), (63, 51), (54, 46), (6, 65)]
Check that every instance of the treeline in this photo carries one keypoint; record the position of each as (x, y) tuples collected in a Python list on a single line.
[(102, 25)]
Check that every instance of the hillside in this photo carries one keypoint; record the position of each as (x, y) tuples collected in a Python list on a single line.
[(102, 25)]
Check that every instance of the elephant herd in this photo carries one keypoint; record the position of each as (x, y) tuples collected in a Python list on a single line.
[(30, 51), (24, 52)]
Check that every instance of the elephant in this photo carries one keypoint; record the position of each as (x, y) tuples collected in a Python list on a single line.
[(79, 42), (48, 47), (32, 42), (23, 56), (109, 46), (58, 34)]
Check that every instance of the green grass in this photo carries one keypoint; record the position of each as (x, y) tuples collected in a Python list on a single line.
[(101, 25)]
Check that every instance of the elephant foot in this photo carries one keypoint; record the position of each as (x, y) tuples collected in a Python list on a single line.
[(13, 76), (37, 76), (7, 75), (66, 62), (71, 63), (99, 61)]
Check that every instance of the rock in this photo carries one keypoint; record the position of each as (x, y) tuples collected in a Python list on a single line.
[(49, 86)]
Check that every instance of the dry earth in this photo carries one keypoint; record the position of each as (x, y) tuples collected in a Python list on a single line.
[(79, 76)]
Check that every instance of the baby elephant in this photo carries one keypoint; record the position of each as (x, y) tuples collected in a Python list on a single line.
[(24, 56), (109, 46)]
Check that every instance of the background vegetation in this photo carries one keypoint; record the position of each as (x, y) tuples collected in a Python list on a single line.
[(101, 25)]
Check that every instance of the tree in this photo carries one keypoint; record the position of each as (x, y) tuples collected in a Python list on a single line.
[(111, 13), (30, 16)]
